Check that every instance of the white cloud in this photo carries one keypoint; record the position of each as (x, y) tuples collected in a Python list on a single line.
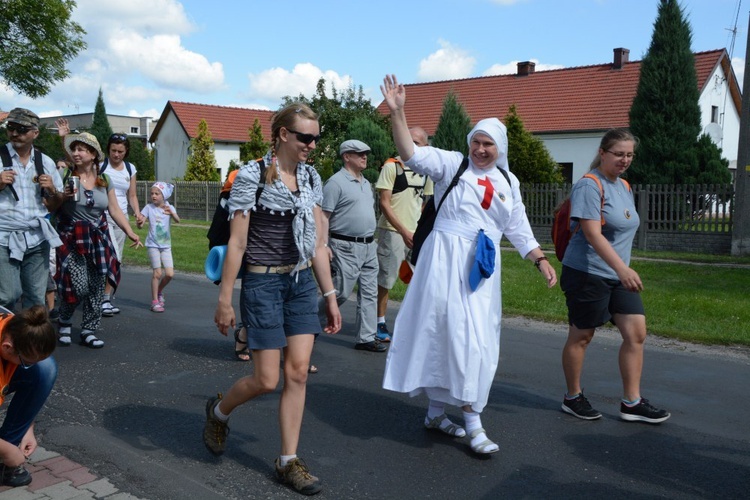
[(738, 64), (275, 83), (511, 68), (142, 38), (447, 63)]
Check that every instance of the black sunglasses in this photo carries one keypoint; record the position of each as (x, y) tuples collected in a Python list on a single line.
[(24, 364), (305, 139), (89, 197), (118, 137), (20, 129)]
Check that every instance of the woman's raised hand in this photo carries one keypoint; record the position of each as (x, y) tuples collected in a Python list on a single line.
[(63, 128), (393, 92)]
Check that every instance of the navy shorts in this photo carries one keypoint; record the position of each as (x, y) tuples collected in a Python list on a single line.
[(592, 300), (276, 306)]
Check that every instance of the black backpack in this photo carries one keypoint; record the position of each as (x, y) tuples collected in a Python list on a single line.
[(8, 163), (104, 166), (401, 183), (218, 231), (429, 214)]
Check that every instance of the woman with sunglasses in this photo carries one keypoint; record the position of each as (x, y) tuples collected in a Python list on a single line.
[(122, 175), (87, 258), (278, 241)]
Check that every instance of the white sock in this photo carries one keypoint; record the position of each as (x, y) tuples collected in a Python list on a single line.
[(285, 459), (219, 414), (381, 319), (435, 409), (472, 421), (106, 297)]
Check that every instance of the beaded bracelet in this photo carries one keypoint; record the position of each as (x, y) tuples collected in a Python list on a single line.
[(538, 262)]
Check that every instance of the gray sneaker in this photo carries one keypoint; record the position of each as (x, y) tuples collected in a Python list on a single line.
[(215, 431), (298, 477)]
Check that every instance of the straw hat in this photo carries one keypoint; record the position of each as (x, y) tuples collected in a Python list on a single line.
[(85, 138)]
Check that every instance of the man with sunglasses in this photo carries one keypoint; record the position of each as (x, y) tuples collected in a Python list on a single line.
[(349, 208), (30, 187)]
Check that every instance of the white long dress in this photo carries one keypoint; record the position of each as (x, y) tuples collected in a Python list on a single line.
[(446, 338)]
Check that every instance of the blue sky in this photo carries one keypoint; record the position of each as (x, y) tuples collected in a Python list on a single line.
[(250, 53)]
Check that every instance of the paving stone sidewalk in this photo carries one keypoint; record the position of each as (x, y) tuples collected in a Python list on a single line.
[(55, 477)]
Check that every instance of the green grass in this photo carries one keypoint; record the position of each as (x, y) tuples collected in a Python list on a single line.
[(691, 302)]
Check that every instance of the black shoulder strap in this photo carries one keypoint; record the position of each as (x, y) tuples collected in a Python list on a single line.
[(104, 166), (261, 179), (8, 163), (454, 182), (505, 174), (129, 167), (5, 154), (39, 164)]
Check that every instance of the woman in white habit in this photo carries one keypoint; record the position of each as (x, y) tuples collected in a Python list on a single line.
[(446, 339)]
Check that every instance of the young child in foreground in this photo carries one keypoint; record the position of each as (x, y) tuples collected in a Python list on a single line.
[(159, 214)]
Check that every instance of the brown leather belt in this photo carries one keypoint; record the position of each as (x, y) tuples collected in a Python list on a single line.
[(286, 269)]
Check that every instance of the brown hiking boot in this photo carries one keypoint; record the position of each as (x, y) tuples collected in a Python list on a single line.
[(215, 431), (298, 477)]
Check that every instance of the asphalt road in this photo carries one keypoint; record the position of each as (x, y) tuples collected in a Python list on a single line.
[(134, 411)]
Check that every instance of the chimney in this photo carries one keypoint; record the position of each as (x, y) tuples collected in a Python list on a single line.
[(621, 58), (526, 68)]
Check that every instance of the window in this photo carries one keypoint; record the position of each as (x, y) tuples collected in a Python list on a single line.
[(714, 114), (567, 172), (133, 130)]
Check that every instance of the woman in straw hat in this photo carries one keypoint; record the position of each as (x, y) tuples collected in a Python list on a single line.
[(87, 257)]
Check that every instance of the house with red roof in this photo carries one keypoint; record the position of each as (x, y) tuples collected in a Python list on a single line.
[(570, 109), (178, 124)]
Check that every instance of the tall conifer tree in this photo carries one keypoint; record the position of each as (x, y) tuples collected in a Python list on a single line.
[(665, 115), (453, 126), (201, 163), (100, 126)]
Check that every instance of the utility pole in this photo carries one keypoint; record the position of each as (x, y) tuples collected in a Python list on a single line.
[(741, 223)]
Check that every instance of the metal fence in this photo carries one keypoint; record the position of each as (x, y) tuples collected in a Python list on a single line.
[(695, 218)]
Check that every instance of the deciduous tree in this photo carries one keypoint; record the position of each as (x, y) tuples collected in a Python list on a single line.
[(381, 145), (37, 39), (201, 162)]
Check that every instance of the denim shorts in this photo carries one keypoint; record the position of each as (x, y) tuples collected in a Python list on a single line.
[(592, 300), (275, 306)]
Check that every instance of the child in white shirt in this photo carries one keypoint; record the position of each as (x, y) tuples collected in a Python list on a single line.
[(159, 214)]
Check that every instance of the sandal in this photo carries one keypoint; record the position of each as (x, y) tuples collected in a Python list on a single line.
[(485, 447), (312, 369), (63, 335), (91, 341), (242, 354), (451, 429)]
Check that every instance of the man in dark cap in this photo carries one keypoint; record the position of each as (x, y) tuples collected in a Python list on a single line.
[(349, 207), (30, 187)]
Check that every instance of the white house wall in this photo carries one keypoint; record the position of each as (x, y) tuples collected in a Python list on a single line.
[(717, 94), (171, 146), (578, 149), (225, 152)]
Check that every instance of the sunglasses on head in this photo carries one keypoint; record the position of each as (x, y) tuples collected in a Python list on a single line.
[(305, 139), (20, 129), (118, 137)]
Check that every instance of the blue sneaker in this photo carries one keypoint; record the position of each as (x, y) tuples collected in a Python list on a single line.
[(383, 334)]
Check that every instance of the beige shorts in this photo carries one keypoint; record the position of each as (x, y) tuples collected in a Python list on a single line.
[(391, 252)]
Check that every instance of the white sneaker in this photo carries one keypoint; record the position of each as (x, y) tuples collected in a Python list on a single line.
[(108, 310)]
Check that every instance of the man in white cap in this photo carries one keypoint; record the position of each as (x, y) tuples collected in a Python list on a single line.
[(349, 207), (30, 187)]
